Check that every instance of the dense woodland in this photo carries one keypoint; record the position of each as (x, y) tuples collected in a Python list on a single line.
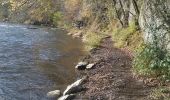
[(143, 26)]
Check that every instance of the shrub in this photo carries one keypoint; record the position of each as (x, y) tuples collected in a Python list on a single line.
[(123, 37), (162, 93), (154, 58), (153, 61), (57, 18), (93, 40)]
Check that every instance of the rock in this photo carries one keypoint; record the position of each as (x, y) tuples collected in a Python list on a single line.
[(5, 20), (75, 87), (28, 22), (90, 66), (54, 94), (54, 28), (78, 34), (32, 28), (81, 65), (67, 97), (156, 25), (70, 33)]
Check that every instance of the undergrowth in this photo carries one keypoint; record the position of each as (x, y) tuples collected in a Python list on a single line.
[(154, 58), (57, 18), (130, 37), (92, 40), (161, 93), (152, 61)]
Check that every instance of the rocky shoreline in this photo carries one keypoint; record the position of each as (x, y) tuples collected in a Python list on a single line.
[(105, 74), (111, 77)]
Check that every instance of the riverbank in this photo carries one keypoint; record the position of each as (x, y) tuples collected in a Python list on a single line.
[(111, 77)]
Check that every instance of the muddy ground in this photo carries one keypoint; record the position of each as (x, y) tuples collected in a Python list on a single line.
[(112, 78)]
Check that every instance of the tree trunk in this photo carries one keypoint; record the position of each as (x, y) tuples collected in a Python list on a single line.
[(137, 12)]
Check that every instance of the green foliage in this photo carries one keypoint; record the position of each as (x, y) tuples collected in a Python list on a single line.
[(57, 18), (93, 40), (154, 58), (162, 93), (122, 36), (153, 61)]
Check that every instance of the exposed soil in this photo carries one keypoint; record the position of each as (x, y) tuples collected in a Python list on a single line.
[(111, 78)]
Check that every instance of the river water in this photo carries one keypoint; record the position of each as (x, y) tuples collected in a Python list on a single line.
[(35, 60)]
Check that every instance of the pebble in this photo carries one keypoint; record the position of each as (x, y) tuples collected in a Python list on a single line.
[(73, 87), (53, 94), (81, 65), (90, 66), (67, 97)]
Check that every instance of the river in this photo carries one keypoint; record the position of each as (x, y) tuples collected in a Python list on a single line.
[(35, 60)]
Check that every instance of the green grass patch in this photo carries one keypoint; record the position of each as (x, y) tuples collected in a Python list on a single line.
[(122, 35), (57, 18), (93, 40), (130, 37)]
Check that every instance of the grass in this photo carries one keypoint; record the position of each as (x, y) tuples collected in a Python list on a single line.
[(120, 36), (152, 61), (161, 93), (92, 40), (57, 18), (127, 37)]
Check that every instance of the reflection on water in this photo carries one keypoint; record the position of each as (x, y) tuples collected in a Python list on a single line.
[(35, 61)]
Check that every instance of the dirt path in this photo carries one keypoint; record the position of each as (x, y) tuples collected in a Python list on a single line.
[(111, 78)]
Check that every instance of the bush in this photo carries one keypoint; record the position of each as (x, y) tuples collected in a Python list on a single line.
[(123, 37), (162, 93), (57, 18), (93, 40), (154, 58), (153, 61)]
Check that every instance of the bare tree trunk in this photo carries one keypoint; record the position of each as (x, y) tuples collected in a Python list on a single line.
[(117, 14), (137, 12), (124, 14)]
